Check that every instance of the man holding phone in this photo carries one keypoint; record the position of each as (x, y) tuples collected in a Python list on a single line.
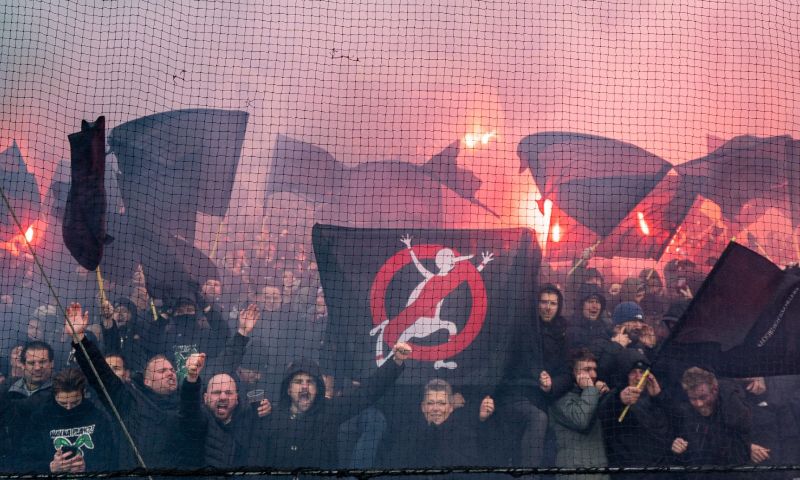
[(69, 434)]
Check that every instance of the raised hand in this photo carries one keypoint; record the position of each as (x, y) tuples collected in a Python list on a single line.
[(545, 382), (486, 257), (264, 408), (107, 312), (76, 322), (487, 408), (406, 239), (194, 365), (402, 351), (248, 318)]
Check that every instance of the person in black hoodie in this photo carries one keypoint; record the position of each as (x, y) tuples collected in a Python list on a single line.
[(588, 326), (69, 434), (642, 439), (531, 383), (301, 431), (124, 333)]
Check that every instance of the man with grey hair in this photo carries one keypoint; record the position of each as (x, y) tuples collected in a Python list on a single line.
[(445, 434)]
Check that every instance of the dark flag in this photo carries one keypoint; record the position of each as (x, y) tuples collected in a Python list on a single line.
[(744, 320), (84, 227), (456, 296), (172, 165), (373, 193), (21, 191)]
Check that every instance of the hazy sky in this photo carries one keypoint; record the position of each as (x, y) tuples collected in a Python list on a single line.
[(402, 79)]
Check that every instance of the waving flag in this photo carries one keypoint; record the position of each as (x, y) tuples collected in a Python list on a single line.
[(456, 296), (744, 320)]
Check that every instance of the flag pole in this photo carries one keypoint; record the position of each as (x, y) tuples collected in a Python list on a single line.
[(100, 286), (639, 386), (152, 304), (581, 260), (216, 240)]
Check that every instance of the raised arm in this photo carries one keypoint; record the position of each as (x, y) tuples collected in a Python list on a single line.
[(372, 389), (75, 325)]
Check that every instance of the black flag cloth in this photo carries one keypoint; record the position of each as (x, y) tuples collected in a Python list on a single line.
[(456, 296), (84, 227), (744, 320)]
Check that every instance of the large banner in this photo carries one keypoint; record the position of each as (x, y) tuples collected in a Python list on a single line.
[(457, 296), (744, 320)]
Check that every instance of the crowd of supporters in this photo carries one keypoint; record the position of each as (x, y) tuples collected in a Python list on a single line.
[(239, 376)]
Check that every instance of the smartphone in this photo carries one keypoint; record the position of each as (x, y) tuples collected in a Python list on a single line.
[(69, 451)]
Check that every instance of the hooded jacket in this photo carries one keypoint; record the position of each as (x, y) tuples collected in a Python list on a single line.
[(84, 426), (521, 377), (308, 439), (585, 333)]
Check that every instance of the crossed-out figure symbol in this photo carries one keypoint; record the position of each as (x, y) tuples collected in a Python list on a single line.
[(425, 326)]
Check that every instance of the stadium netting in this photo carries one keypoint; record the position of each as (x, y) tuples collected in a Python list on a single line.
[(399, 239)]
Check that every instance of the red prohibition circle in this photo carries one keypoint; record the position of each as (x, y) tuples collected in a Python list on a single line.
[(471, 276)]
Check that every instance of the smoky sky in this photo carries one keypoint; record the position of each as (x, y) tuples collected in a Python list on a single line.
[(402, 79)]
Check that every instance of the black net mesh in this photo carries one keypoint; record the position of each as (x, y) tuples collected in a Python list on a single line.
[(470, 239)]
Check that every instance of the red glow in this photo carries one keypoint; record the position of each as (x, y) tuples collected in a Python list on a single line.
[(29, 234), (643, 224), (556, 233), (472, 139)]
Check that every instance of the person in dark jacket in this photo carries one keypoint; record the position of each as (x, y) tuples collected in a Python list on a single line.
[(301, 431), (443, 436), (775, 403), (69, 434), (588, 325), (124, 333), (716, 424), (215, 422), (642, 439), (184, 330), (148, 404), (531, 383)]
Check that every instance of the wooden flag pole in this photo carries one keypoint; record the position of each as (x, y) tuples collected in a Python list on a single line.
[(103, 298), (581, 260), (639, 386)]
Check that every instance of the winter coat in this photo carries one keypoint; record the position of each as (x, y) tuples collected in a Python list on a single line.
[(151, 418), (228, 445), (309, 439), (521, 377), (643, 438), (723, 438), (574, 420), (456, 442)]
